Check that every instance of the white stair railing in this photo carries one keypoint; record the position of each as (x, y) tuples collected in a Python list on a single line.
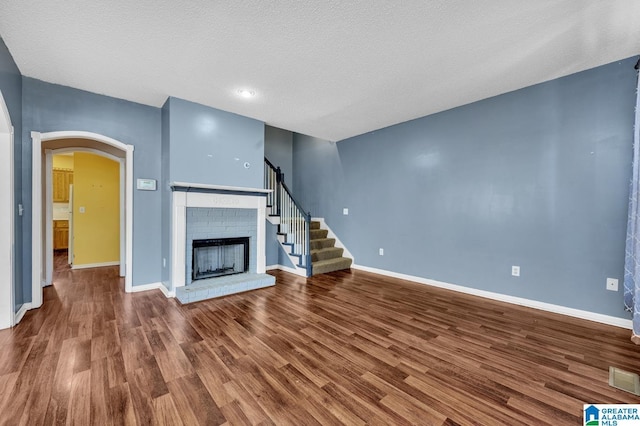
[(294, 221)]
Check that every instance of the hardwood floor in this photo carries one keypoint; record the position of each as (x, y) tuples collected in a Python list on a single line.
[(342, 348)]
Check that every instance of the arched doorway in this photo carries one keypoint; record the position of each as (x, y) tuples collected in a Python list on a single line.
[(71, 149), (7, 302), (43, 145)]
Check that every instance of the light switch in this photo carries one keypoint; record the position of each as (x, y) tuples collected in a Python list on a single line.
[(345, 211)]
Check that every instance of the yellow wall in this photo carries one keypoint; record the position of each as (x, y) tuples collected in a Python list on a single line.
[(96, 233), (63, 162)]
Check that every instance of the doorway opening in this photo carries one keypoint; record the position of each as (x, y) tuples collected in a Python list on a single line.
[(87, 204), (44, 145)]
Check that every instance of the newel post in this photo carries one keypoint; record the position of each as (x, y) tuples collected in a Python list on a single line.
[(279, 180)]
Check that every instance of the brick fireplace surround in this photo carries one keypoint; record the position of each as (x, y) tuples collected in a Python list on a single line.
[(225, 204)]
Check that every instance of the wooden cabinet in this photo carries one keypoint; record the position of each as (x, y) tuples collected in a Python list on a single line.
[(62, 178), (60, 234)]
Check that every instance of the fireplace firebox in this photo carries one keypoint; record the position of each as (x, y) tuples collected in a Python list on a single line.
[(217, 257)]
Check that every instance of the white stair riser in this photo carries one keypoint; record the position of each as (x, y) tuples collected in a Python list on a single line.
[(288, 249)]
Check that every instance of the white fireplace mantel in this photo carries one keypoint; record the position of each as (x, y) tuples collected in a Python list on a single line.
[(212, 196), (202, 187)]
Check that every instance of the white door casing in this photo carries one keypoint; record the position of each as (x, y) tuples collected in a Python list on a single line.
[(7, 238), (70, 253), (48, 223), (38, 265), (123, 250)]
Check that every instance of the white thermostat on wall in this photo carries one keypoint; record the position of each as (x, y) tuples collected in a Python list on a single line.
[(146, 184)]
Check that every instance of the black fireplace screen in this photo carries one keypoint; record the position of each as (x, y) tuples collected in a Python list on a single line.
[(219, 256)]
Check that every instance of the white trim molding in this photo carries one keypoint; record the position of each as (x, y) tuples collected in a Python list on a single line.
[(7, 220), (48, 217), (123, 220), (38, 245), (95, 265), (154, 286), (223, 188), (23, 310), (543, 306), (128, 221), (301, 272)]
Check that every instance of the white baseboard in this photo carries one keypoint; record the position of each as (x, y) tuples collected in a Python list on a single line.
[(167, 293), (95, 265), (153, 286), (23, 310), (297, 271), (543, 306)]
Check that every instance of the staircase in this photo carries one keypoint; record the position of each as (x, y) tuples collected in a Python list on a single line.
[(308, 246), (325, 256)]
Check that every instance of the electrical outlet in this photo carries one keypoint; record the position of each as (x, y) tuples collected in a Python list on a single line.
[(612, 284), (345, 211), (381, 252), (515, 271)]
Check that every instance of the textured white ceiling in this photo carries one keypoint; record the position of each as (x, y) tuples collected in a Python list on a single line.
[(330, 69)]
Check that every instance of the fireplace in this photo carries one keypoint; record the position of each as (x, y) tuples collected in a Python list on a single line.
[(204, 212), (217, 257)]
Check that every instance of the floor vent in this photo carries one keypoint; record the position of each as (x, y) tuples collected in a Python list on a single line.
[(624, 380)]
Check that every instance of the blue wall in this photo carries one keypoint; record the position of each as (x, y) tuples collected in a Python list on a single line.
[(274, 252), (50, 107), (536, 178), (11, 88), (278, 148), (165, 193), (210, 146), (272, 247)]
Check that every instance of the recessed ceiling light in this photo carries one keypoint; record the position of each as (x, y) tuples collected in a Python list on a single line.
[(246, 93)]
